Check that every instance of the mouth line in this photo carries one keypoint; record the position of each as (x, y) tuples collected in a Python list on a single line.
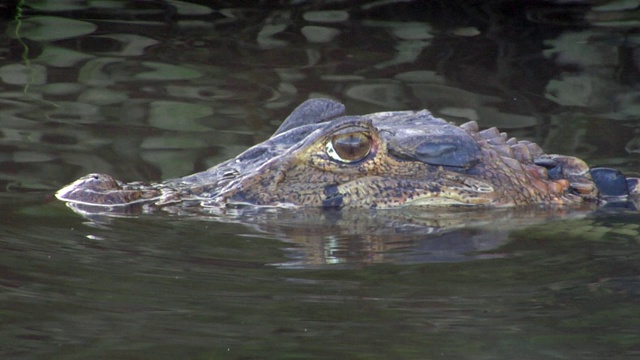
[(446, 200)]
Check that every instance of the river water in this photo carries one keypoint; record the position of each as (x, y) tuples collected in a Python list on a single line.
[(151, 90)]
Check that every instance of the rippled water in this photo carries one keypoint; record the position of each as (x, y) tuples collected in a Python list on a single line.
[(150, 90)]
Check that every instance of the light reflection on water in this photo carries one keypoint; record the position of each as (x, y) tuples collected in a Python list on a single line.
[(150, 91)]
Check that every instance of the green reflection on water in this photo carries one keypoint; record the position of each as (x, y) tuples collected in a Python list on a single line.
[(167, 72), (39, 28)]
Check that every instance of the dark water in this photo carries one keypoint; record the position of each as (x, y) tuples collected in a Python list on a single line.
[(150, 90)]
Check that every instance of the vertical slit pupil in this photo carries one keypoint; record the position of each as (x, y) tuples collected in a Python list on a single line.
[(352, 146)]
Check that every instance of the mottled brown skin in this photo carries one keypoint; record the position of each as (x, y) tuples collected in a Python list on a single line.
[(383, 181), (319, 158)]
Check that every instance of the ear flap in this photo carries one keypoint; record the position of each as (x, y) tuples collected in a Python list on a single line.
[(447, 154), (312, 111), (454, 147)]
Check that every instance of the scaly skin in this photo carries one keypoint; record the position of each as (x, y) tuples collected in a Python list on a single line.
[(319, 158)]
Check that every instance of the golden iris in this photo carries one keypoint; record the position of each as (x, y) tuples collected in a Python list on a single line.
[(349, 147)]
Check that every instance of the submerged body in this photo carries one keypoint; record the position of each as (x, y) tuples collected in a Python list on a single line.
[(321, 158)]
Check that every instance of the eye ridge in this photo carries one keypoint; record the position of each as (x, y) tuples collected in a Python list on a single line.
[(349, 147)]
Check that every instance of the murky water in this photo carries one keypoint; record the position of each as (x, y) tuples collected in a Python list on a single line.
[(151, 90)]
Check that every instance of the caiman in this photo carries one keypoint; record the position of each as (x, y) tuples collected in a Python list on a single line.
[(319, 157)]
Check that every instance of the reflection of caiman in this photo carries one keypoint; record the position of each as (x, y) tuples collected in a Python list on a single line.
[(321, 158)]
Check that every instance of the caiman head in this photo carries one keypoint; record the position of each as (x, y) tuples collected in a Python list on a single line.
[(321, 158)]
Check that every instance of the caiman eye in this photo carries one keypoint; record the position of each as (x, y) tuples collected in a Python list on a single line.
[(349, 147)]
